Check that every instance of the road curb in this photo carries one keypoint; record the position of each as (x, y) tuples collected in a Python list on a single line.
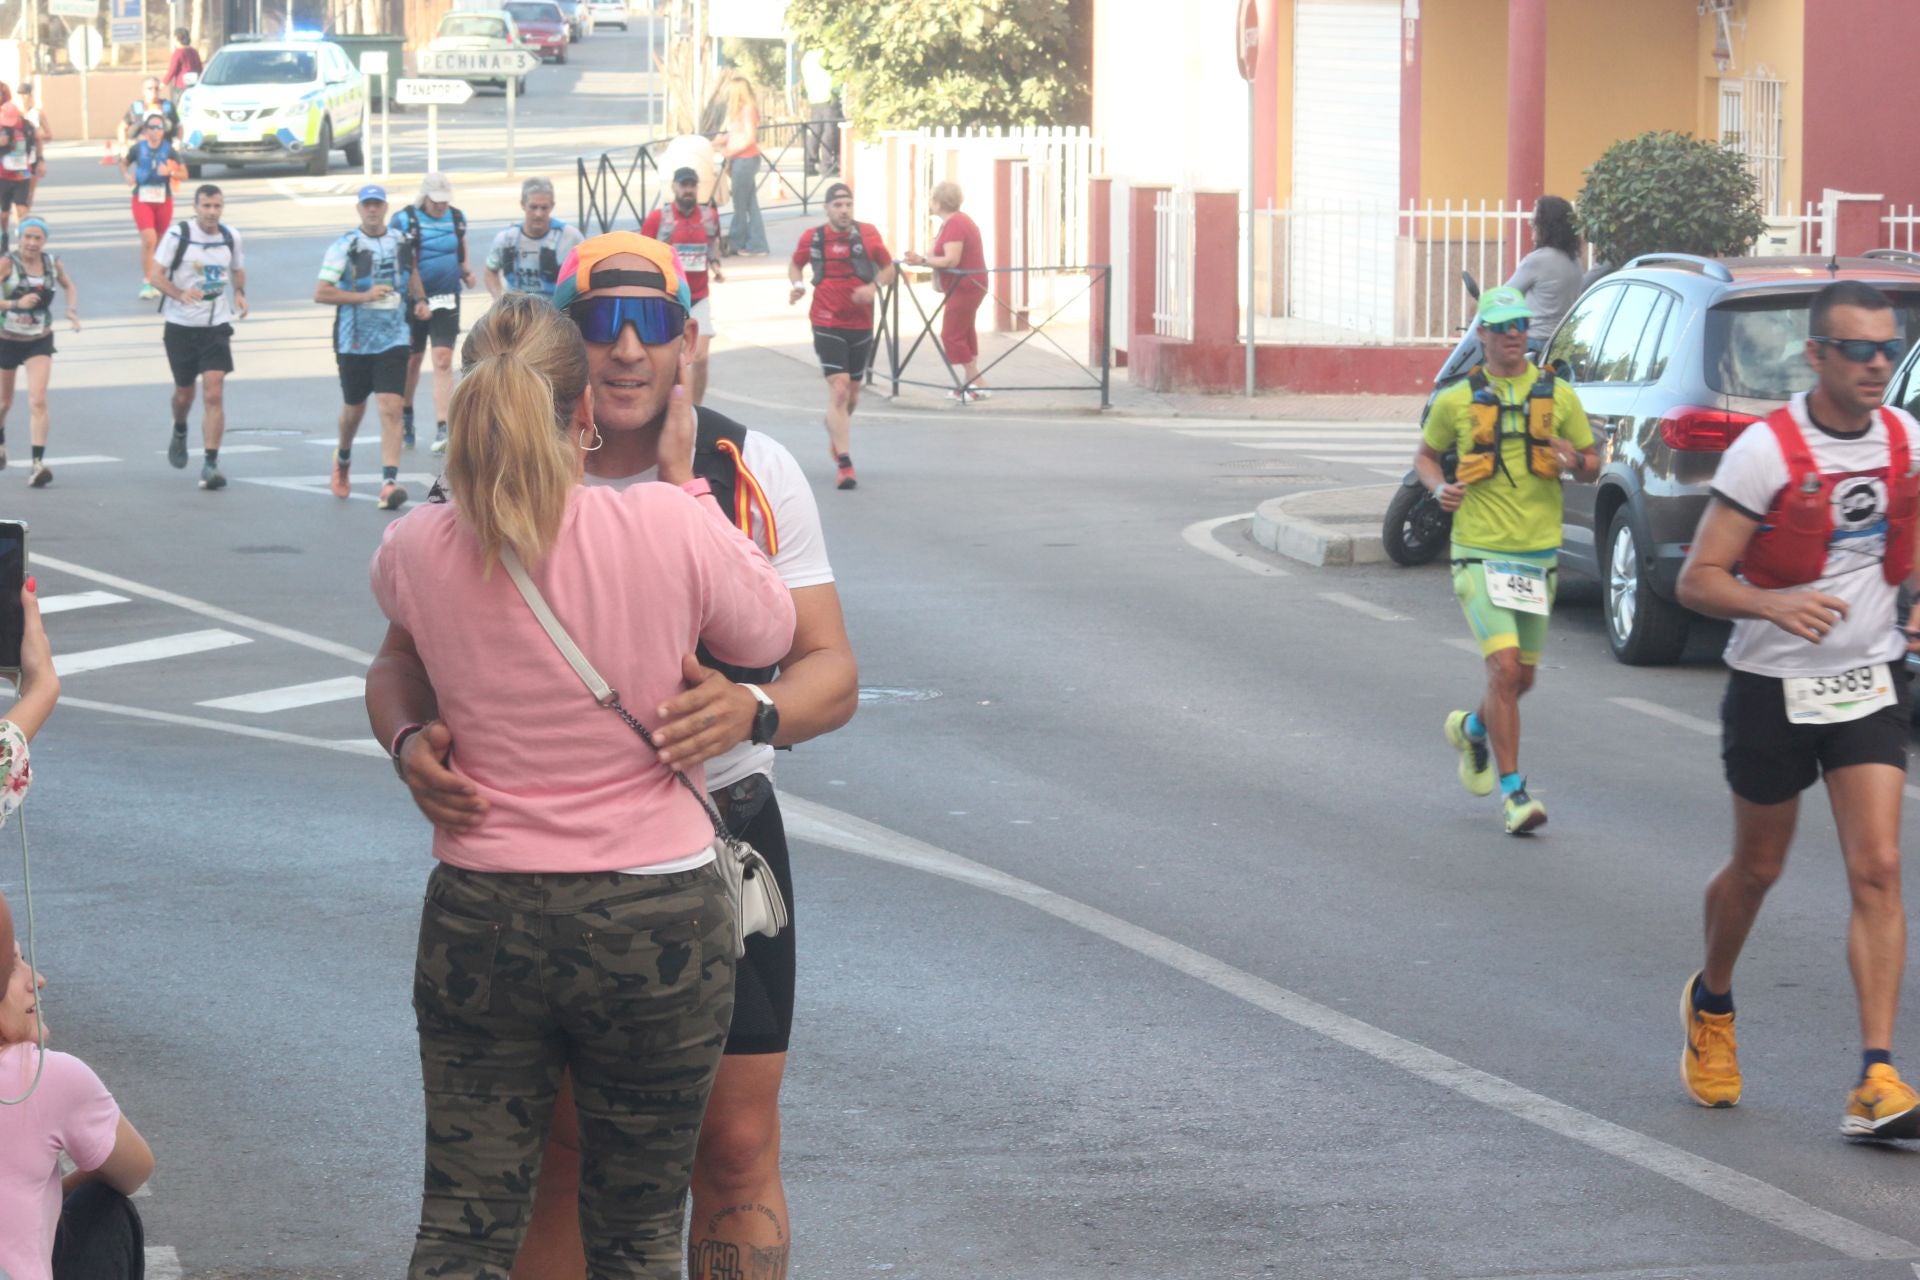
[(1325, 527)]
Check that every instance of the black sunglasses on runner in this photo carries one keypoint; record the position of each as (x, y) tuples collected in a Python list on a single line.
[(1861, 350), (654, 320)]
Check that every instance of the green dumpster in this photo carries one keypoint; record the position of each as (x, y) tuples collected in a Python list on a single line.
[(394, 46)]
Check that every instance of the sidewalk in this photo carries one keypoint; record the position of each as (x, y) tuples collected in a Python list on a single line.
[(750, 308)]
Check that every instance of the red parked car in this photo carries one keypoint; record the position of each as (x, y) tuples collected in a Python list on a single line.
[(543, 28)]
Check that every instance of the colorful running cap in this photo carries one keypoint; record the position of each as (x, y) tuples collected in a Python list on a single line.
[(1501, 304), (577, 272), (373, 191)]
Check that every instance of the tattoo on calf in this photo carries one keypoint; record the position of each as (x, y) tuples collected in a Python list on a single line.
[(713, 1259)]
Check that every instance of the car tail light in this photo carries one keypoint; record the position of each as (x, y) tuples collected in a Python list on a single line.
[(1703, 430)]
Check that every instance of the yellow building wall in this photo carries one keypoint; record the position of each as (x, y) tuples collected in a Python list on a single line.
[(1463, 99), (1615, 70), (1769, 35)]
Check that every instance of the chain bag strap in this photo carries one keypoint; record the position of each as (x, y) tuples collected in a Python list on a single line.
[(755, 898)]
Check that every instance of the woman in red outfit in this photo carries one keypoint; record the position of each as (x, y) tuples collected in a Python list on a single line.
[(960, 272)]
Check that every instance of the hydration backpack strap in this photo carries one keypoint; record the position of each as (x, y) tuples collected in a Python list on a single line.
[(1899, 449), (1793, 448), (180, 245)]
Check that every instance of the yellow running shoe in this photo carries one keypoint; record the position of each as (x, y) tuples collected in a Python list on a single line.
[(1709, 1065), (1523, 813), (1476, 761), (1884, 1106)]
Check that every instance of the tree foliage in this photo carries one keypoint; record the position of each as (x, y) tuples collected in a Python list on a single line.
[(1668, 192), (913, 63)]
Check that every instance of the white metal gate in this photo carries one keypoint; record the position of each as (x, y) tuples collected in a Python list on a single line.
[(1346, 159), (1753, 121)]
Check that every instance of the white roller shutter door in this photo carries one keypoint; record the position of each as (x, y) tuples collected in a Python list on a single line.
[(1346, 162)]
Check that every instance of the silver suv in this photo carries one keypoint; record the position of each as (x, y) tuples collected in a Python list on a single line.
[(1673, 356)]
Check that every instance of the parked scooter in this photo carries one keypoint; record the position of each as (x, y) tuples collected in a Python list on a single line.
[(1416, 529)]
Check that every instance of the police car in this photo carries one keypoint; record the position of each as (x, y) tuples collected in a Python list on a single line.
[(274, 102)]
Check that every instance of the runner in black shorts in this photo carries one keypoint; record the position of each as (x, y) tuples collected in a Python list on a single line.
[(1809, 536), (441, 328), (200, 269), (850, 265)]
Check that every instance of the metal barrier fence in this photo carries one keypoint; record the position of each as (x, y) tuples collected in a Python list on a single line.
[(1000, 302), (631, 182)]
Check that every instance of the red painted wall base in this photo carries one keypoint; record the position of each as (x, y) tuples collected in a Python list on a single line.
[(1161, 364)]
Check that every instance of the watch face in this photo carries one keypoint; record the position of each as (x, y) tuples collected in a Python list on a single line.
[(766, 723)]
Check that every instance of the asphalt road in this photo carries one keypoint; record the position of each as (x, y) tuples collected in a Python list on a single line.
[(1145, 931)]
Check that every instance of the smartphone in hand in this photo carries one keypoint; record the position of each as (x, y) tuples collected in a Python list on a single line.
[(13, 576)]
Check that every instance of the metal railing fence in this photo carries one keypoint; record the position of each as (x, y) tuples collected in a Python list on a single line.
[(905, 326)]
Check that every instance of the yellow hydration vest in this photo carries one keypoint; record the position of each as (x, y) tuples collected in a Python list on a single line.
[(1489, 413)]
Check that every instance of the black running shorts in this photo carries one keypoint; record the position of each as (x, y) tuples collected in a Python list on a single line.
[(843, 351), (384, 373), (763, 977), (1770, 760), (15, 352), (442, 328), (194, 349), (16, 193)]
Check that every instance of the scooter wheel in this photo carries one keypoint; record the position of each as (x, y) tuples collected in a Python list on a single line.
[(1416, 530)]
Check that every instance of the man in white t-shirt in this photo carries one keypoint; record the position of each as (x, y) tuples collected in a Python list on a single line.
[(1810, 534), (728, 723), (201, 270), (526, 257)]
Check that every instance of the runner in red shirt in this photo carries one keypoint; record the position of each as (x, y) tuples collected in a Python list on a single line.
[(961, 266), (694, 233), (850, 265)]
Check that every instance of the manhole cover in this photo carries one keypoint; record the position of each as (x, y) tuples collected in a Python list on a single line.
[(879, 693)]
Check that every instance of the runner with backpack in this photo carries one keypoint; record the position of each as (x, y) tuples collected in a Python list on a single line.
[(29, 278), (526, 257), (436, 233), (21, 167), (693, 233), (850, 266), (151, 165), (200, 269)]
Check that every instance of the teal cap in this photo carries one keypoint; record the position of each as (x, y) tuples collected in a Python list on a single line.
[(1501, 304)]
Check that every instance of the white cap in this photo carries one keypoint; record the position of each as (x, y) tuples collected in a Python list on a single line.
[(435, 187)]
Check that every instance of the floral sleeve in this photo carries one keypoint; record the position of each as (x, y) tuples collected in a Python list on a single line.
[(15, 772)]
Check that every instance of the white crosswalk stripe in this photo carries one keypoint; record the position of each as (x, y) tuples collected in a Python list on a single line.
[(120, 655), (294, 695), (78, 600)]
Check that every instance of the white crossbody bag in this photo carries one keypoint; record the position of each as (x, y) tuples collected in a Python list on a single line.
[(755, 898)]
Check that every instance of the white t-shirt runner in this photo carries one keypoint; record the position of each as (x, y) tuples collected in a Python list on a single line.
[(1752, 474), (801, 562), (210, 265)]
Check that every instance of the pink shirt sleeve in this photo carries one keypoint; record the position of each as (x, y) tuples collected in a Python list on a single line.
[(384, 574), (86, 1118)]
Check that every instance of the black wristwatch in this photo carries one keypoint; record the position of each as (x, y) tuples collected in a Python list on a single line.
[(766, 719)]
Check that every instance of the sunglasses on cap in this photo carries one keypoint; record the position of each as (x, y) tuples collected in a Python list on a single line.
[(654, 320), (1862, 350), (1507, 326)]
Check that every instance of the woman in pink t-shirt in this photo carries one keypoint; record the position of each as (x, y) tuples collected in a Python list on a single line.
[(52, 1104), (960, 272), (581, 924)]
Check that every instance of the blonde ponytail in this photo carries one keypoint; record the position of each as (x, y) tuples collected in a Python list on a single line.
[(510, 463)]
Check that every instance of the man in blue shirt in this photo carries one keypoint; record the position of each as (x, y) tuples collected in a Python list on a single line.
[(437, 233), (365, 276)]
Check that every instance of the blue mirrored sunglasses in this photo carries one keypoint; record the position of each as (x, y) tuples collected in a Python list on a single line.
[(1508, 326), (1861, 350), (654, 320)]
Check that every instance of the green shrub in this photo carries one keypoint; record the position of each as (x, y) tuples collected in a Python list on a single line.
[(1669, 193)]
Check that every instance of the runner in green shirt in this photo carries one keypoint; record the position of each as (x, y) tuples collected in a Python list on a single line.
[(1518, 431)]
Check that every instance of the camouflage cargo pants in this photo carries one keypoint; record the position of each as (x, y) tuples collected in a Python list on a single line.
[(625, 980)]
